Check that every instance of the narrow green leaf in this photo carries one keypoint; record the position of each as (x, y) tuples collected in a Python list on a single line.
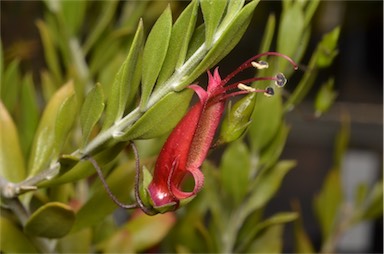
[(181, 35), (43, 149), (328, 201), (234, 168), (228, 36), (310, 11), (268, 34), (10, 86), (124, 83), (53, 220), (373, 207), (277, 219), (342, 140), (48, 85), (290, 32), (13, 240), (1, 61), (12, 166), (73, 14), (327, 48), (161, 117), (91, 111), (325, 97), (29, 117), (270, 241), (266, 120), (83, 169), (65, 119), (154, 53), (266, 185), (104, 19), (234, 6), (50, 52), (79, 242), (212, 10), (138, 229), (302, 241)]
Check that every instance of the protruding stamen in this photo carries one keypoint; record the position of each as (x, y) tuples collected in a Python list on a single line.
[(269, 91), (280, 80), (260, 64), (243, 87)]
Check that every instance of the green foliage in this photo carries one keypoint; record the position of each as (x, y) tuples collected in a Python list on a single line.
[(120, 73)]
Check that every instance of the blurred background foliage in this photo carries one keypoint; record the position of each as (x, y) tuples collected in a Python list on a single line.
[(88, 76)]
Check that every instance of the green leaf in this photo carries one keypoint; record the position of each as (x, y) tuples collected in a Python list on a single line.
[(271, 154), (91, 111), (228, 34), (328, 201), (234, 7), (277, 219), (212, 13), (342, 140), (79, 242), (268, 34), (12, 166), (266, 121), (48, 85), (83, 169), (13, 240), (325, 97), (124, 83), (327, 48), (178, 45), (290, 32), (73, 13), (154, 53), (108, 10), (99, 204), (53, 220), (235, 169), (302, 241), (266, 185), (270, 241), (161, 117), (310, 11), (45, 144), (373, 207), (10, 86), (29, 118), (138, 229), (50, 52), (65, 119)]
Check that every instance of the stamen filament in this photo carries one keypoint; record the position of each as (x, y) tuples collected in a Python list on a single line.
[(248, 64)]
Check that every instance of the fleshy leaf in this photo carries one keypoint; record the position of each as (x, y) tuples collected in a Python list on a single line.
[(12, 166), (79, 242), (45, 144), (13, 240), (124, 83), (91, 111), (154, 53), (53, 220), (212, 13), (269, 241), (10, 86), (327, 48), (73, 14)]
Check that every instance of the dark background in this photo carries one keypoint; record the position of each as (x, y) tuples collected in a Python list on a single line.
[(358, 71)]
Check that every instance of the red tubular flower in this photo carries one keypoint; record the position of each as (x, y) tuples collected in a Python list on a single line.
[(187, 146)]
